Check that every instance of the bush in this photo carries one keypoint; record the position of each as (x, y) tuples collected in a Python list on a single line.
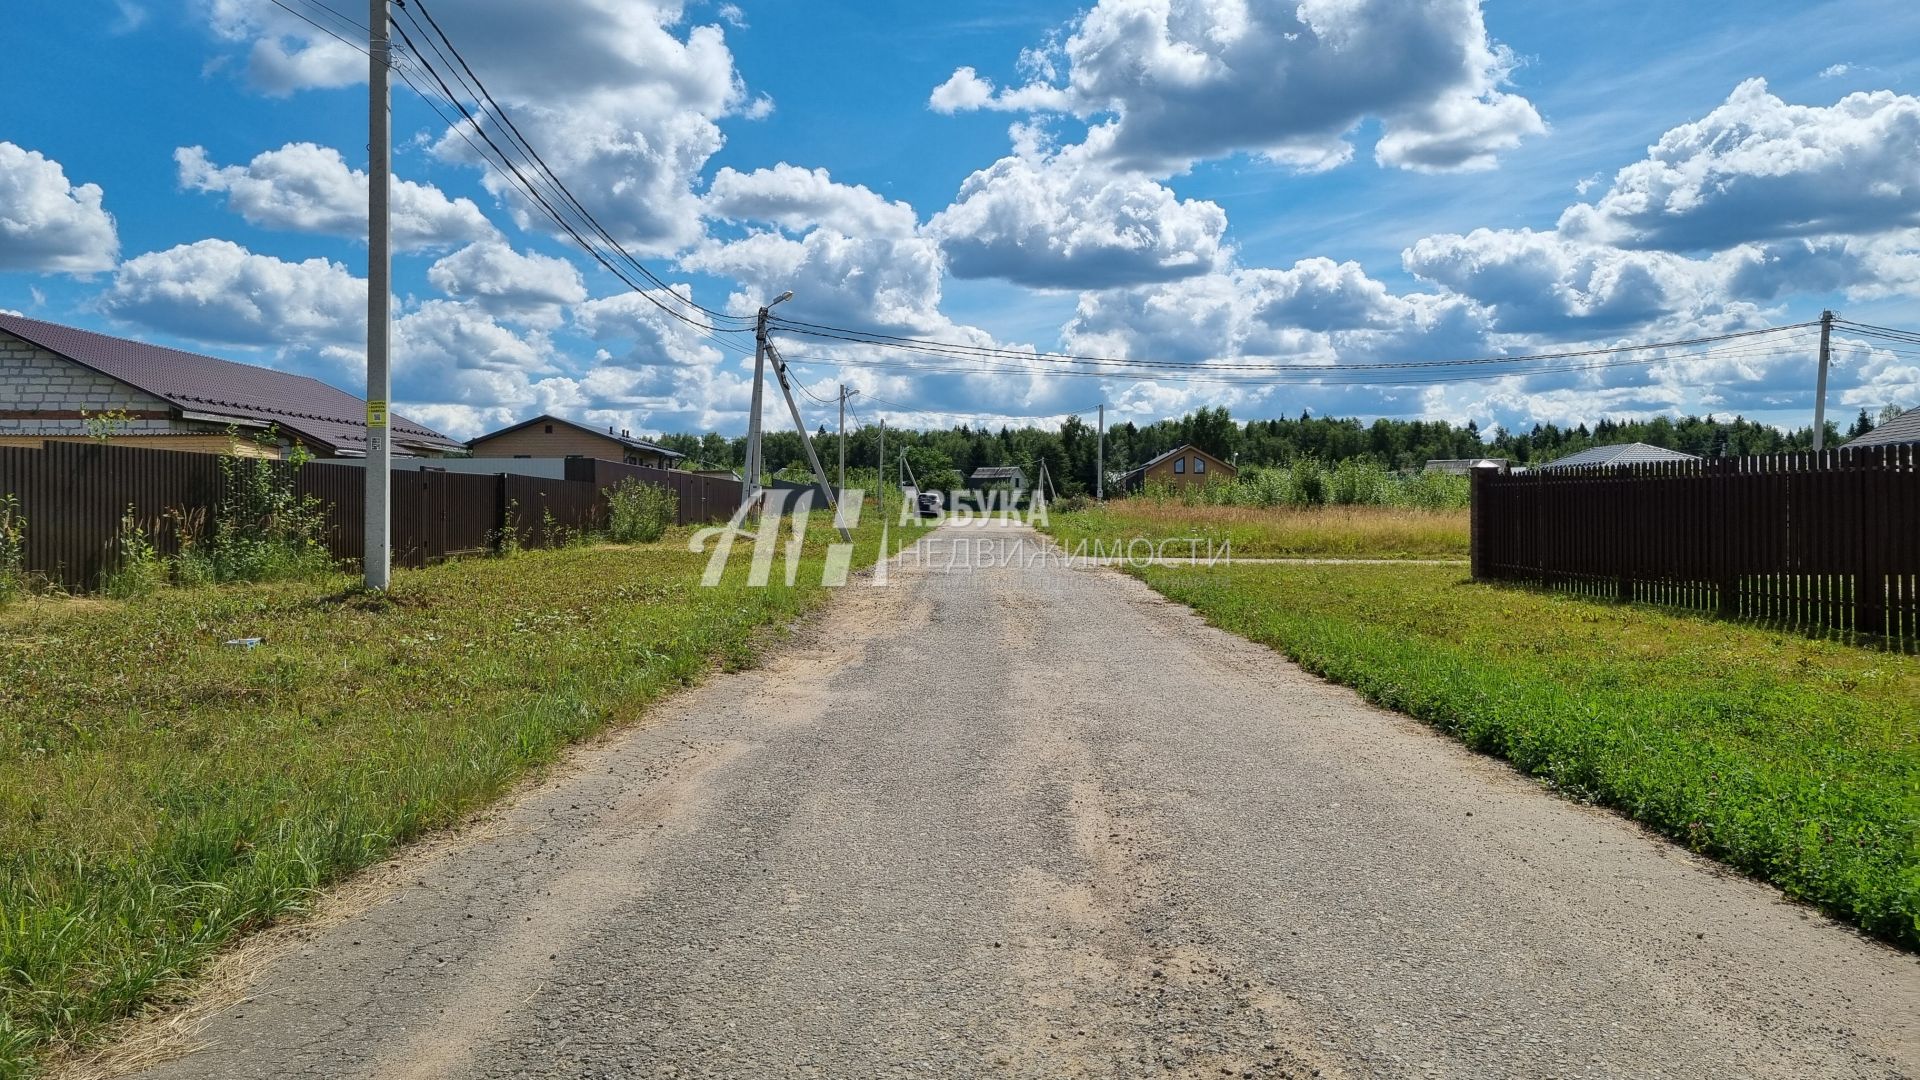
[(640, 513)]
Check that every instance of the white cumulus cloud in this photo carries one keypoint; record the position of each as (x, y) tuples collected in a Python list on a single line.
[(798, 199), (1757, 168), (303, 187), (1066, 220), (217, 291), (47, 223), (1186, 80), (527, 286)]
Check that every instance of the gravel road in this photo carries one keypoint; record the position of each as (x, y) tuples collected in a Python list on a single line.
[(1034, 821)]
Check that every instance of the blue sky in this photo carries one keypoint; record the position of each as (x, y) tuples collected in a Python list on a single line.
[(1208, 182)]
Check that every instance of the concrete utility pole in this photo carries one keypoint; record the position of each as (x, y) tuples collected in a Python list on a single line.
[(750, 487), (880, 467), (1100, 458), (377, 556), (1820, 393), (843, 437), (806, 438)]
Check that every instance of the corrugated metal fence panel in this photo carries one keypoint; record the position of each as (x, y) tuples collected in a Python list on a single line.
[(473, 510), (544, 512), (1828, 540), (702, 498)]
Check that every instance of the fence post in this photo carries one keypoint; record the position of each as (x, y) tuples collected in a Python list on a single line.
[(1476, 522), (1720, 498), (1868, 471)]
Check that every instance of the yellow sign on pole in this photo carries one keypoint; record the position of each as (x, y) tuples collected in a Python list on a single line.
[(376, 414)]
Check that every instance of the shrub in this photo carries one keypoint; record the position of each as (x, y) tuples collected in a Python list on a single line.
[(640, 513)]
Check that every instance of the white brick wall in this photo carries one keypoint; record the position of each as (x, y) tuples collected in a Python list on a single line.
[(33, 379)]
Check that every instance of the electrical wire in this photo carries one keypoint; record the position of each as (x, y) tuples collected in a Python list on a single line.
[(550, 183), (951, 351), (1303, 375)]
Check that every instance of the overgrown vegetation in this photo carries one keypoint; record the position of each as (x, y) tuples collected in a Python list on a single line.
[(1795, 760), (161, 793), (138, 568), (1307, 482), (263, 530), (13, 549), (640, 513), (1337, 532)]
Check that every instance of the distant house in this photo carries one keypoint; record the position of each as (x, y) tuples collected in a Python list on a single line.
[(556, 437), (54, 378), (995, 476), (1898, 431), (1621, 454), (1182, 465), (1464, 466)]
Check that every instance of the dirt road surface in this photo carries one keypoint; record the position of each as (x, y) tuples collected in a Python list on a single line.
[(1034, 821)]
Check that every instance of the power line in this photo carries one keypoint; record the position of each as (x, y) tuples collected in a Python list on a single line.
[(954, 351), (1306, 374), (550, 182)]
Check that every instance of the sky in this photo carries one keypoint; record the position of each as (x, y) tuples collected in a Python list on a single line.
[(1213, 189)]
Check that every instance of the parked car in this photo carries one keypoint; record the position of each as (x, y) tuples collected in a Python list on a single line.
[(932, 504)]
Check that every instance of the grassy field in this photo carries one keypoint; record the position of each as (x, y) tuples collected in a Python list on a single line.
[(1345, 532), (1795, 760), (161, 793)]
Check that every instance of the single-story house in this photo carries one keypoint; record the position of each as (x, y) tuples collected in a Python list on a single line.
[(1464, 466), (993, 476), (1898, 431), (1620, 454), (1182, 465), (64, 384), (556, 437)]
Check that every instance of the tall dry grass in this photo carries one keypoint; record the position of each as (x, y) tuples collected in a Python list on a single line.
[(1346, 532)]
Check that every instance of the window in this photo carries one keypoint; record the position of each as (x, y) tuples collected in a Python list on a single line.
[(1199, 464), (1180, 465), (549, 429)]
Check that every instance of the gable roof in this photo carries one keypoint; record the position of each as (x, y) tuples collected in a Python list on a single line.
[(1183, 448), (210, 388), (1904, 428), (627, 441), (999, 472), (1619, 454)]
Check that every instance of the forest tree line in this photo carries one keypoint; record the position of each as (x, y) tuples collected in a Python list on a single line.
[(942, 458)]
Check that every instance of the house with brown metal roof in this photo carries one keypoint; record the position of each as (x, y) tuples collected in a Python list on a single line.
[(547, 436), (65, 384)]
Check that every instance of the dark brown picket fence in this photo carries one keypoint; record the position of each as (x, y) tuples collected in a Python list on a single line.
[(1822, 541), (74, 495)]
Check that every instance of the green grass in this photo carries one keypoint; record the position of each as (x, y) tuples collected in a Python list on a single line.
[(1343, 532), (161, 793), (1795, 760)]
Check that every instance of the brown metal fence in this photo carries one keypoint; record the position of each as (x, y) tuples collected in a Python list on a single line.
[(702, 498), (1821, 541), (73, 496)]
